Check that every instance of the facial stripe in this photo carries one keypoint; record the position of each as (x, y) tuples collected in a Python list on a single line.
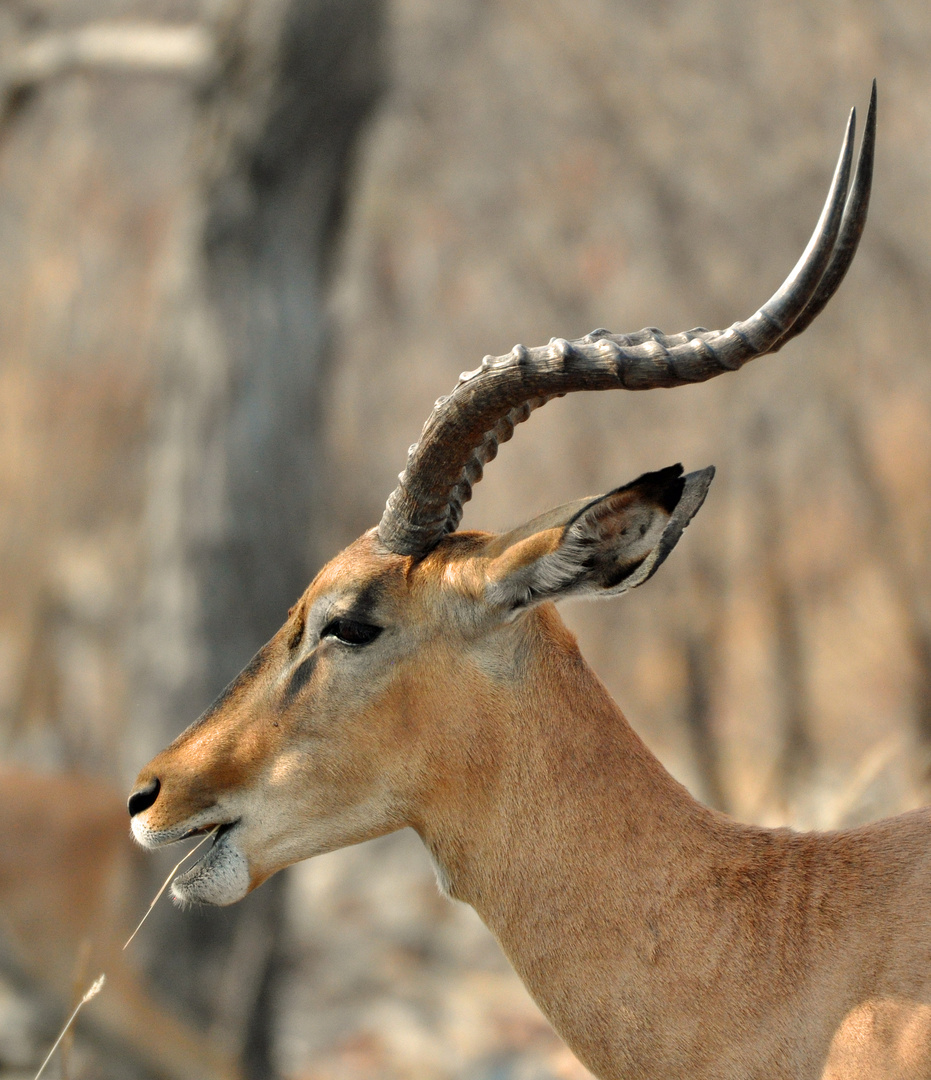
[(301, 677)]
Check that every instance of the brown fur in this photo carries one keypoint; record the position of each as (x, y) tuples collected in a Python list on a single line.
[(662, 940)]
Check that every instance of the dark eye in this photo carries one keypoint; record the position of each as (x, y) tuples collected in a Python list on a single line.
[(350, 632)]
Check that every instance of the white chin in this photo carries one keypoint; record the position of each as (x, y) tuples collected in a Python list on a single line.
[(221, 877)]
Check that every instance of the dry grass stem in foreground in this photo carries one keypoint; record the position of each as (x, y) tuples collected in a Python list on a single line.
[(98, 983), (168, 881), (95, 989)]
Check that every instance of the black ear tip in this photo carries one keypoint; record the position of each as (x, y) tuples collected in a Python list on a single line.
[(663, 487), (662, 476), (670, 494)]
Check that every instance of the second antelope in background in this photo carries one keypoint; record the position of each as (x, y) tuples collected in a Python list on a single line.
[(425, 679)]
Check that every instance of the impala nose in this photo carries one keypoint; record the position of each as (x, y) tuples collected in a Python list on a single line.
[(143, 797)]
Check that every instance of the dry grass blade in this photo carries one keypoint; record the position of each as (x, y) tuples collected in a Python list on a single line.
[(168, 881), (97, 986), (95, 989), (82, 965)]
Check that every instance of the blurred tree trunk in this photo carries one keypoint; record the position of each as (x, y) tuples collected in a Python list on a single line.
[(170, 184)]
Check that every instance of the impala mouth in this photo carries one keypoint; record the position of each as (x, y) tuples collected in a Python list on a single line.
[(220, 876), (203, 830)]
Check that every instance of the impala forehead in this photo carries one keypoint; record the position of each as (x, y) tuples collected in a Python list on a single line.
[(368, 584), (360, 579)]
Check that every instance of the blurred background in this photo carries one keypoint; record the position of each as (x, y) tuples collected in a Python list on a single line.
[(244, 245)]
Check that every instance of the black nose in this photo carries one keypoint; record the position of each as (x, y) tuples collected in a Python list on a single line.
[(143, 797)]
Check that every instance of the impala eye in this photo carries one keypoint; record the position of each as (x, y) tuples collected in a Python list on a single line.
[(350, 632)]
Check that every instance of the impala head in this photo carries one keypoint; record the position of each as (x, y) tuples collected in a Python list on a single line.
[(352, 718)]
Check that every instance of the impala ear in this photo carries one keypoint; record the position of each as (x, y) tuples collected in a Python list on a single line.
[(609, 545)]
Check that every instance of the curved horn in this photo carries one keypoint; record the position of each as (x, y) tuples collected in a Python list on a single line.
[(465, 429)]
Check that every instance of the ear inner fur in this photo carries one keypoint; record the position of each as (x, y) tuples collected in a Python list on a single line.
[(611, 544)]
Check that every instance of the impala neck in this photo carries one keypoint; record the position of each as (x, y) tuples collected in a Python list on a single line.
[(558, 826)]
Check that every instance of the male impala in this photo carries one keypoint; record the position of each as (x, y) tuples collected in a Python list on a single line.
[(424, 679)]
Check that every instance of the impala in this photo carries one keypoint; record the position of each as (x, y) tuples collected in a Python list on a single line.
[(424, 679)]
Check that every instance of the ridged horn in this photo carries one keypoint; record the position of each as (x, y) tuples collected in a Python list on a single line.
[(465, 429)]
